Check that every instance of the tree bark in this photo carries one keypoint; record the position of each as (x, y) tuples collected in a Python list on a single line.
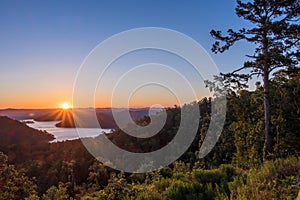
[(267, 117)]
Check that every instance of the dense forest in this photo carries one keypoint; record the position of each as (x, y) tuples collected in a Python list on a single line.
[(33, 168)]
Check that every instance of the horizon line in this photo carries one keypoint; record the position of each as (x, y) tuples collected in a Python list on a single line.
[(139, 107)]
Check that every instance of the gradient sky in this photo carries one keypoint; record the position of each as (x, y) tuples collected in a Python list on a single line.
[(43, 43)]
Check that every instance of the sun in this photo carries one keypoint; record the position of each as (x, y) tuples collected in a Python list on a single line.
[(65, 106)]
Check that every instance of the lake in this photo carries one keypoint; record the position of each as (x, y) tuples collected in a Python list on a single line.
[(62, 134)]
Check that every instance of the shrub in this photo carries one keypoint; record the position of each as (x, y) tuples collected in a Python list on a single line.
[(274, 180)]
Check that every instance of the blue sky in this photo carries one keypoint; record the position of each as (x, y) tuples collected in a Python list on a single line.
[(43, 43)]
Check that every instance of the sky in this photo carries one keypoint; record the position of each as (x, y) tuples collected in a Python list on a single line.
[(44, 43)]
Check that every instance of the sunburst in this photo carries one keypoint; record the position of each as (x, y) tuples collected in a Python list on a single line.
[(65, 106)]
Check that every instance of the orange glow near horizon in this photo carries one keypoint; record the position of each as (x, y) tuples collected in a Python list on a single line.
[(136, 101), (146, 97)]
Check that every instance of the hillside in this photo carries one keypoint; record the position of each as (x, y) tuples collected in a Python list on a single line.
[(15, 132)]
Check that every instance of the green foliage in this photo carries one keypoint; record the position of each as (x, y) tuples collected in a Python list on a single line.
[(245, 112), (59, 193), (32, 197), (180, 190), (247, 128), (273, 180), (14, 184), (286, 112), (214, 176)]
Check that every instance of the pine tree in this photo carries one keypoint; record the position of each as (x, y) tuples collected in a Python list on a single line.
[(276, 35)]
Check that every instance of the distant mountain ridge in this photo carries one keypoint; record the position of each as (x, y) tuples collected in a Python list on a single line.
[(104, 115)]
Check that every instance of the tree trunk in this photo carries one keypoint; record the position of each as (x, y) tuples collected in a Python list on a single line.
[(267, 117), (268, 140)]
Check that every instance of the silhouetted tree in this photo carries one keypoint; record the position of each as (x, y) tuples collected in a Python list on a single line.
[(275, 34)]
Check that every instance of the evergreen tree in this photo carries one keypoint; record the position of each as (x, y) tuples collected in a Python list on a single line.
[(276, 35)]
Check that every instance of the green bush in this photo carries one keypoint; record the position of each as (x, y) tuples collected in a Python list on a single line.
[(273, 180), (209, 176), (183, 190)]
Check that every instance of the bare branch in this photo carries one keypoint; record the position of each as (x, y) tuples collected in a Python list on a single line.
[(251, 56)]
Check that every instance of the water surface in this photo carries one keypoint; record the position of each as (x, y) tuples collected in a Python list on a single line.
[(62, 134)]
